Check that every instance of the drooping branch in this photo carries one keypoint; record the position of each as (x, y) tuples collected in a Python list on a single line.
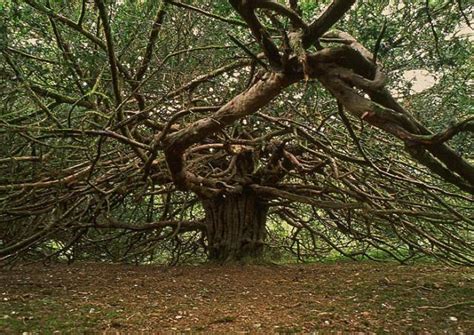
[(445, 135), (394, 123), (179, 226), (61, 98), (341, 68), (271, 192), (160, 16), (115, 75), (68, 22), (247, 12), (111, 54)]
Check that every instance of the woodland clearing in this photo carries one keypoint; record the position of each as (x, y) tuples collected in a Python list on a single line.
[(342, 296)]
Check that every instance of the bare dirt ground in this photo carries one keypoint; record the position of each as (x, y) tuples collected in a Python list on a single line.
[(347, 296)]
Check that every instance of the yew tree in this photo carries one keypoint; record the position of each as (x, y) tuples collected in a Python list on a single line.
[(168, 130)]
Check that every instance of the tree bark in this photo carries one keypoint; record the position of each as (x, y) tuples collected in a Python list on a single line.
[(235, 226)]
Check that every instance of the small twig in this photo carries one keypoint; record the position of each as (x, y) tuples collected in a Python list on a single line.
[(208, 14), (466, 19), (433, 29), (465, 303), (82, 14), (248, 51), (379, 41)]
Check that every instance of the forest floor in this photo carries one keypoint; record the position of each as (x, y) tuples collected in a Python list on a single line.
[(345, 296)]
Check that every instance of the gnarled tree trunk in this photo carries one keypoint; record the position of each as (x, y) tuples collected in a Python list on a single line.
[(235, 226)]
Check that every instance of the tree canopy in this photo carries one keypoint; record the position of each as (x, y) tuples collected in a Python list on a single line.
[(174, 130)]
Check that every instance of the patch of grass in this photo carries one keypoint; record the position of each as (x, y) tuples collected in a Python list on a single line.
[(45, 316)]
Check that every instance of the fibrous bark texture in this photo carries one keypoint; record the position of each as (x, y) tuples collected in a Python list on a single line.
[(235, 226)]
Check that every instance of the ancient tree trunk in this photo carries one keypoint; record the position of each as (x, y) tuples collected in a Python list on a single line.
[(235, 227)]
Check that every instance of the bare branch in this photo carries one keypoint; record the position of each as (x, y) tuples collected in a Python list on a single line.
[(322, 24)]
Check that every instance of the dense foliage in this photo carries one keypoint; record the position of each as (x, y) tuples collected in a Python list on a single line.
[(124, 123)]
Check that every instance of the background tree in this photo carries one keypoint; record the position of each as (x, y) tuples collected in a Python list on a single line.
[(152, 130)]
